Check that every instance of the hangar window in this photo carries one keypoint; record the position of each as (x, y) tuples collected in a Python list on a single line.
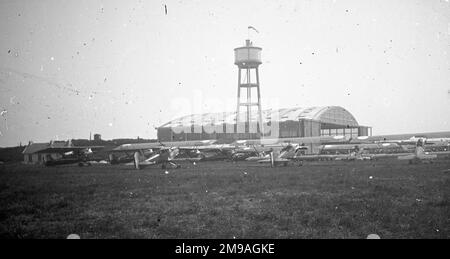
[(354, 132)]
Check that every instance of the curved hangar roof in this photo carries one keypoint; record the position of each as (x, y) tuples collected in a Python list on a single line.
[(325, 114)]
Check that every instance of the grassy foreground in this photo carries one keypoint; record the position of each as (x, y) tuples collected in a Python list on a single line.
[(227, 200)]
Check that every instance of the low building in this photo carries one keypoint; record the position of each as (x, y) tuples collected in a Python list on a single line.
[(32, 154)]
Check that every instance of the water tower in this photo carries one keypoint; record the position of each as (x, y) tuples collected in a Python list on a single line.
[(248, 59)]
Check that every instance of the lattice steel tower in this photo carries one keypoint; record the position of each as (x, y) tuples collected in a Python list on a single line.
[(248, 59)]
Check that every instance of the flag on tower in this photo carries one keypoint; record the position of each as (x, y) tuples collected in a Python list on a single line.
[(253, 28)]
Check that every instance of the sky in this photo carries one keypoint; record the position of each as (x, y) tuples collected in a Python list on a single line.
[(122, 68)]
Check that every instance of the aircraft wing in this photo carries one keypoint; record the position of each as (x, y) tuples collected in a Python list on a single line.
[(276, 160), (208, 147), (62, 150), (388, 155), (190, 159), (439, 152), (137, 147), (317, 157), (145, 162), (195, 145), (257, 158)]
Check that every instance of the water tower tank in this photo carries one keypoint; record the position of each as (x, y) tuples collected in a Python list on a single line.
[(247, 56)]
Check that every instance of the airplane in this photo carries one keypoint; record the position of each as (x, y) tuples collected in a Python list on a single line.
[(167, 154), (251, 153), (165, 157), (404, 139), (353, 152), (420, 155), (374, 151), (69, 155), (244, 155), (258, 150), (360, 148), (125, 153), (263, 142), (258, 157), (215, 152), (255, 150), (401, 149), (238, 150), (145, 154), (282, 155), (416, 152), (352, 156)]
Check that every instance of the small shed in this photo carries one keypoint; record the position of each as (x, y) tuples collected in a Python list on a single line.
[(32, 153)]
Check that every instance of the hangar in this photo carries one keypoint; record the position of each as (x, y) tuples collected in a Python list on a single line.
[(292, 123)]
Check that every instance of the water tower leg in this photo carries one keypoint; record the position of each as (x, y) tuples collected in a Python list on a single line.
[(260, 121), (238, 99)]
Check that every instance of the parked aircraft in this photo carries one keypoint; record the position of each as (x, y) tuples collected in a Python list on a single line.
[(125, 153), (352, 156), (69, 155), (169, 153), (371, 151), (253, 152), (274, 151), (282, 156), (414, 150), (404, 139), (420, 155), (165, 157)]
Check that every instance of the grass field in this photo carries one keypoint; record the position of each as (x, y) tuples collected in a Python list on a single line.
[(227, 200)]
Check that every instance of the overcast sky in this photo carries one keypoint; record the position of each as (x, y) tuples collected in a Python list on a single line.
[(121, 68)]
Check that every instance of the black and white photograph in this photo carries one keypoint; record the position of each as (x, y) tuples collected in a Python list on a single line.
[(229, 120)]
